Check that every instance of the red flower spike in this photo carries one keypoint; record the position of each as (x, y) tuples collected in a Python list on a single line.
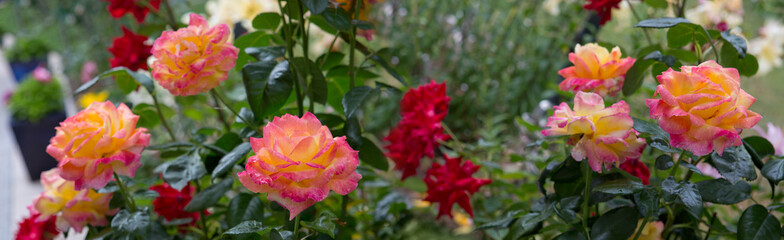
[(118, 8), (130, 51), (29, 229), (418, 132), (603, 8), (170, 203), (452, 183), (638, 169)]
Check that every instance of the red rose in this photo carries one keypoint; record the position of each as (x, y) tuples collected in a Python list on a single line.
[(418, 132), (29, 229), (603, 8), (170, 203), (638, 169), (118, 8), (452, 183), (130, 51)]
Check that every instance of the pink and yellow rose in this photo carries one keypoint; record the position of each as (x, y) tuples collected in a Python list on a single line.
[(96, 142), (602, 135), (298, 162), (72, 208), (650, 231), (703, 107), (194, 59), (595, 70)]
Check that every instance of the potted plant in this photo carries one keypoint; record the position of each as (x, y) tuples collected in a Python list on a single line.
[(25, 55), (36, 108)]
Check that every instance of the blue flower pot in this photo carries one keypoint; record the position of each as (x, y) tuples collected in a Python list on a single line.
[(33, 138), (22, 69)]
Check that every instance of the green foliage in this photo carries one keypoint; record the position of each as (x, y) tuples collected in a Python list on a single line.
[(32, 100), (27, 49)]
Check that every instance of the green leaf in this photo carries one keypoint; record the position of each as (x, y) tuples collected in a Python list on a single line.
[(679, 36), (658, 138), (248, 227), (319, 21), (253, 39), (664, 162), (760, 145), (383, 62), (268, 86), (660, 22), (169, 145), (209, 196), (244, 207), (330, 120), (128, 222), (774, 170), (228, 161), (734, 164), (657, 3), (146, 193), (686, 192), (634, 77), (266, 20), (746, 66), (757, 224), (647, 201), (184, 169), (353, 132), (316, 6), (617, 224), (683, 55), (365, 25), (354, 98), (324, 223), (148, 117), (621, 186), (370, 154), (126, 79), (737, 42), (268, 53), (317, 86), (282, 235), (722, 191), (330, 59), (337, 18)]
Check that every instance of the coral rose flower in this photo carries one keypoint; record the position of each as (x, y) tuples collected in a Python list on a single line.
[(595, 70), (703, 108), (298, 161), (130, 50), (194, 59), (603, 135), (453, 183), (72, 208), (96, 142)]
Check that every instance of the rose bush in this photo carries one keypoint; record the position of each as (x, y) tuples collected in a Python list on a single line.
[(644, 143)]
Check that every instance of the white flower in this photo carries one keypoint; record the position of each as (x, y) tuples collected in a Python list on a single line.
[(243, 11), (769, 46), (715, 12)]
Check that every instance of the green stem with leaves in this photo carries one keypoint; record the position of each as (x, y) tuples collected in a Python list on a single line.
[(163, 119), (249, 122), (586, 201), (352, 69), (202, 218), (296, 226), (636, 16), (677, 163), (126, 194), (290, 50)]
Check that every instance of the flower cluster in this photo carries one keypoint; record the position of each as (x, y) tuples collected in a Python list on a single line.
[(194, 59), (97, 142), (719, 14), (171, 203), (595, 70), (71, 207), (298, 162), (703, 107), (602, 135), (130, 50), (453, 183), (418, 132)]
